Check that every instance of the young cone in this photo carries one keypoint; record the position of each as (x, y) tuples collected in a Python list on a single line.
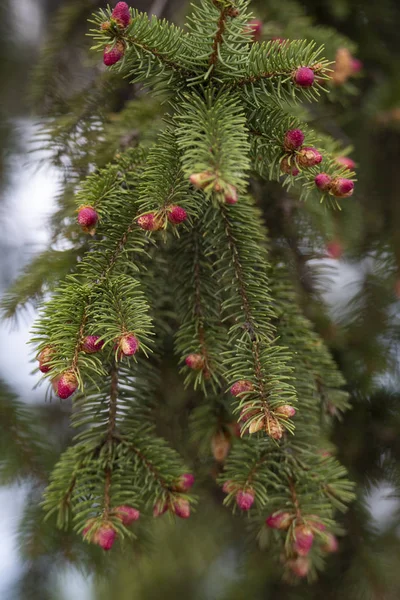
[(121, 14), (67, 385), (127, 514)]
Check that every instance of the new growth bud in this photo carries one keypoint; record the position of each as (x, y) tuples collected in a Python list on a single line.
[(200, 180), (113, 54), (231, 196), (309, 157), (185, 482), (304, 539), (323, 181), (67, 385), (182, 508), (128, 344), (121, 14), (87, 219), (195, 361), (342, 188), (44, 358), (149, 222), (176, 214), (286, 411), (245, 500), (91, 344), (304, 77), (279, 520), (299, 566), (241, 386), (127, 514), (347, 162), (255, 27), (294, 139), (289, 166)]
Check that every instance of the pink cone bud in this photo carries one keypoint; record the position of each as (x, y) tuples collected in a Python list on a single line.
[(229, 486), (241, 386), (127, 514), (231, 196), (342, 188), (246, 414), (200, 180), (286, 411), (121, 14), (294, 139), (128, 344), (177, 215), (113, 55), (331, 544), (304, 539), (315, 523), (185, 482), (44, 358), (182, 508), (347, 162), (149, 222), (356, 65), (323, 181), (245, 500), (289, 166), (334, 249), (279, 520), (304, 77), (160, 508), (255, 26), (274, 429), (195, 361), (67, 385), (105, 537), (91, 344), (309, 157), (299, 566), (220, 446), (87, 218)]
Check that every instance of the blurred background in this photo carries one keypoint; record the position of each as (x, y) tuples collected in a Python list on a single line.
[(356, 310)]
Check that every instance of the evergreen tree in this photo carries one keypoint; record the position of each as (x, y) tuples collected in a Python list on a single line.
[(180, 328)]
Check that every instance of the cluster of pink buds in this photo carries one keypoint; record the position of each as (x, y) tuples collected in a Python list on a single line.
[(105, 535), (179, 506), (154, 221), (304, 537), (339, 187), (298, 155), (120, 19)]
